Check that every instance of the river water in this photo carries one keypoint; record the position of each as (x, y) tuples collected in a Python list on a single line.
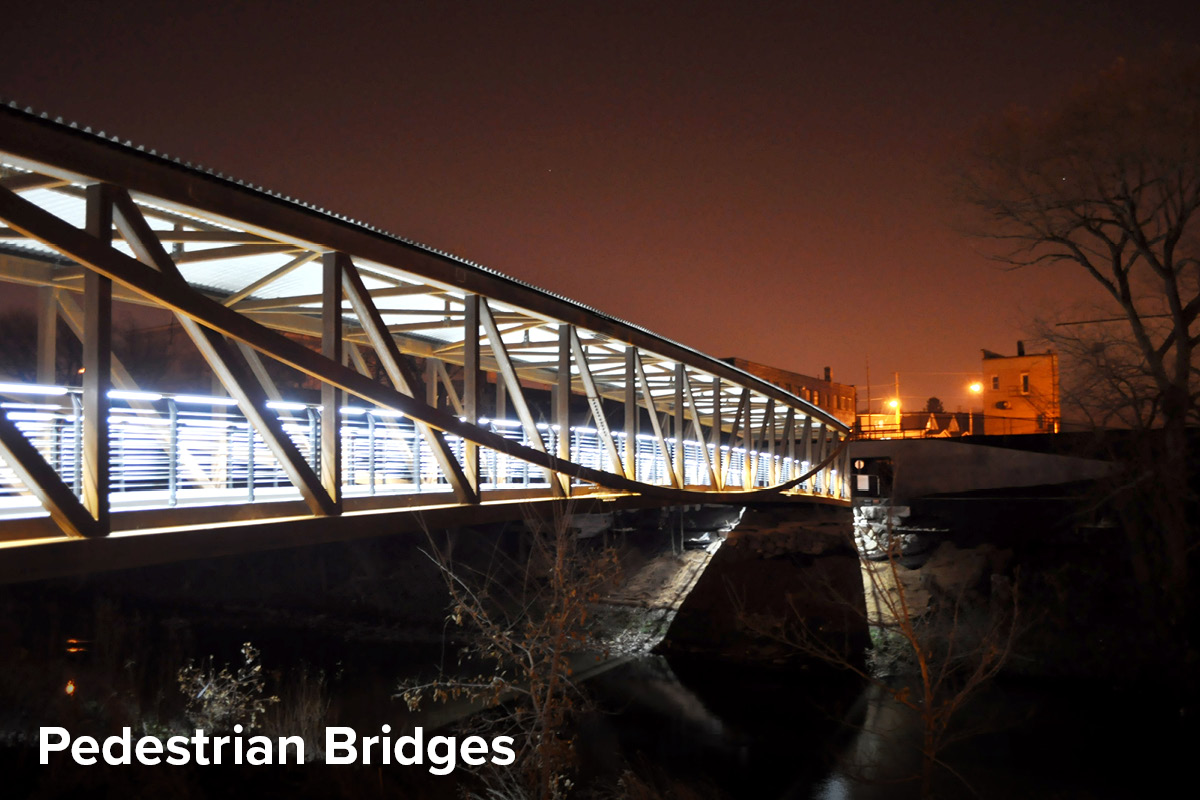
[(691, 728), (749, 733)]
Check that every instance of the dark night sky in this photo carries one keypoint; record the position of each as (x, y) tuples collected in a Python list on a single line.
[(753, 179)]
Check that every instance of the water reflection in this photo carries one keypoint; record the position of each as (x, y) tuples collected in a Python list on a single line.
[(883, 753), (750, 733)]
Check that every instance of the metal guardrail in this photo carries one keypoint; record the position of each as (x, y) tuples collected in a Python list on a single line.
[(175, 449)]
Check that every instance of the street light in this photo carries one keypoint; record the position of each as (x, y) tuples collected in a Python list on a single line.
[(975, 388)]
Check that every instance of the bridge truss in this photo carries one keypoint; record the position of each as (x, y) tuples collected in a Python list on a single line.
[(483, 390)]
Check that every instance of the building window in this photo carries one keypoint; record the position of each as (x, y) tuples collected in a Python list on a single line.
[(1024, 383), (995, 382)]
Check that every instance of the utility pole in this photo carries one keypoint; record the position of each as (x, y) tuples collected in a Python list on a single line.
[(896, 375), (868, 390)]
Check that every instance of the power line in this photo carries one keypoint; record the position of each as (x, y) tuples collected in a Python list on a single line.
[(1110, 319)]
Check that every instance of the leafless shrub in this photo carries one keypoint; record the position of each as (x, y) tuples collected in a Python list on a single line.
[(220, 699), (526, 629), (948, 647)]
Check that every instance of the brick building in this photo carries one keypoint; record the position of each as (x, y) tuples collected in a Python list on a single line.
[(836, 398), (1020, 393)]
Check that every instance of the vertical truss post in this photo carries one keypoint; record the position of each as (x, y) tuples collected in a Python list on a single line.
[(748, 445), (773, 471), (631, 413), (806, 437), (47, 334), (331, 397), (562, 400), (562, 392), (680, 377), (715, 436), (472, 384), (432, 393), (789, 436), (844, 475), (97, 364)]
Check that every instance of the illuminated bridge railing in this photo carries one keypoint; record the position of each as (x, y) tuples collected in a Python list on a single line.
[(169, 450)]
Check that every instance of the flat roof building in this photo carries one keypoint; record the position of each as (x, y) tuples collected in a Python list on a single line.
[(1020, 393)]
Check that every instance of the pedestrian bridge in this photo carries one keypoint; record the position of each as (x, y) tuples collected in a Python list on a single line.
[(180, 342)]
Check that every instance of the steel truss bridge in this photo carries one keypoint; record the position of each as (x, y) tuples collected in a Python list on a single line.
[(458, 393)]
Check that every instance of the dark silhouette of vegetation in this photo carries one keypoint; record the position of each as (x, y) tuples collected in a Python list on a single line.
[(934, 406), (1109, 181), (940, 649), (18, 349), (522, 623)]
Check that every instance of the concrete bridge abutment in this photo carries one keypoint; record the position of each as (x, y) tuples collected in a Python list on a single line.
[(783, 576)]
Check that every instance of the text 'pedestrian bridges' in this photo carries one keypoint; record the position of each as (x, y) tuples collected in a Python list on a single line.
[(215, 328)]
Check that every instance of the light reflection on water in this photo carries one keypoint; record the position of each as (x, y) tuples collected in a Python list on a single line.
[(760, 738)]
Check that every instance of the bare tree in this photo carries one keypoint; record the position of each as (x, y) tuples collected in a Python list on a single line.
[(1105, 379), (1109, 181)]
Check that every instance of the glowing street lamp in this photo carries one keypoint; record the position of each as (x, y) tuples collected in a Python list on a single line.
[(976, 387)]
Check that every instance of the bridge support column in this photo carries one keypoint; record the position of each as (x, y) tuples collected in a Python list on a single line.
[(786, 565)]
